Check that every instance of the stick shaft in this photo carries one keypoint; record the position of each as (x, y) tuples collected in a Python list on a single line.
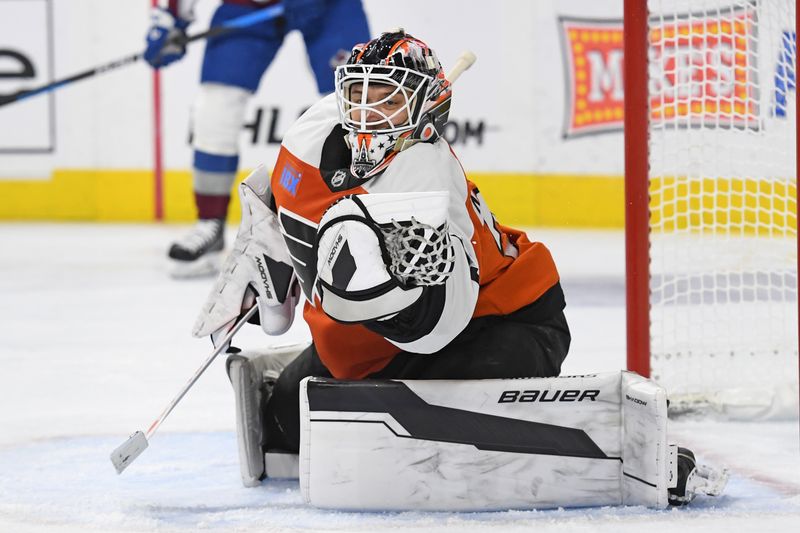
[(238, 23), (220, 347), (226, 27), (52, 86), (464, 61)]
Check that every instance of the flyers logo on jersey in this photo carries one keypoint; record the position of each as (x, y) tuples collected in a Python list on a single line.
[(290, 179), (300, 234)]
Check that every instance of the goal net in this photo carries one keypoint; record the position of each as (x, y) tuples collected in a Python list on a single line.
[(721, 201)]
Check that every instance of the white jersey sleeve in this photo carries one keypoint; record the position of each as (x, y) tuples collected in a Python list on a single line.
[(305, 138)]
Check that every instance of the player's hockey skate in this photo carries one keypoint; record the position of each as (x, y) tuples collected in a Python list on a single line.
[(199, 252), (694, 479), (253, 376)]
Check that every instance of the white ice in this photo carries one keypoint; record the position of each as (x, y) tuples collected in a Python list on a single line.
[(95, 342)]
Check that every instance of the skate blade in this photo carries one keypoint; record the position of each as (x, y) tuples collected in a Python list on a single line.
[(206, 266)]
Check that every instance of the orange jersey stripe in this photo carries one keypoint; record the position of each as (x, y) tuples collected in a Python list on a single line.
[(507, 283)]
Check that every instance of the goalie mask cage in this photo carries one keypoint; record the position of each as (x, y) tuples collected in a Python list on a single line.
[(711, 201)]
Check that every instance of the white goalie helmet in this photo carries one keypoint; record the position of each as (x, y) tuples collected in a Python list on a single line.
[(391, 94)]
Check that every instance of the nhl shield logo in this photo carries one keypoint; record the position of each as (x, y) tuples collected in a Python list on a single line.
[(338, 178)]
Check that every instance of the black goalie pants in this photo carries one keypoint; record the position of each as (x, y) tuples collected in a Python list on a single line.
[(509, 346)]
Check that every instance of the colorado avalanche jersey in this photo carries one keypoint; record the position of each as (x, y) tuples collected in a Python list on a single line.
[(498, 269), (185, 8)]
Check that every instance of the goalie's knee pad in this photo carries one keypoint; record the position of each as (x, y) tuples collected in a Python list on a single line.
[(217, 118), (253, 376)]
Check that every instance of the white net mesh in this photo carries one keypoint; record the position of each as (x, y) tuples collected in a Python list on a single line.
[(723, 202), (421, 255)]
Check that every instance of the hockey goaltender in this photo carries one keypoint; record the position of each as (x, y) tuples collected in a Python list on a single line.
[(438, 334)]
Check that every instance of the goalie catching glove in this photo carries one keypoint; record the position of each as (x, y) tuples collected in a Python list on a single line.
[(376, 253), (258, 270)]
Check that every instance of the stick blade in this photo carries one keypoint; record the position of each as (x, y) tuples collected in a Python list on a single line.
[(128, 451)]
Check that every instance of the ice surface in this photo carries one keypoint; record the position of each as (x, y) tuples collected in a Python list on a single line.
[(95, 342)]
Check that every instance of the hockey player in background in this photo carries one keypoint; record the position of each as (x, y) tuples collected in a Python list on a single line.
[(233, 65), (406, 274)]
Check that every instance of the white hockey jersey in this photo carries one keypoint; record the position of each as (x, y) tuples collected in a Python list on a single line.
[(502, 271)]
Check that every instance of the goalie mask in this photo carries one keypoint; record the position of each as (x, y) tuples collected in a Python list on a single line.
[(392, 93)]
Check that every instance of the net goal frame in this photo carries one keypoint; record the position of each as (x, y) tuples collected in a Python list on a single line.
[(639, 24)]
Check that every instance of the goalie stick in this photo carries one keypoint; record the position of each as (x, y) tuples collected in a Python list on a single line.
[(129, 450), (226, 27), (464, 61)]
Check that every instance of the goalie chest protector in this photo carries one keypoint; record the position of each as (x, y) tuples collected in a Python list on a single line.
[(513, 271)]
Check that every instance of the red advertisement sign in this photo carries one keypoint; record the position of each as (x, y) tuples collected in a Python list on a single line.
[(702, 68), (593, 54)]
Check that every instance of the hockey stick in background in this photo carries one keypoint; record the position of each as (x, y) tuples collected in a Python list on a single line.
[(129, 450), (464, 61), (226, 27)]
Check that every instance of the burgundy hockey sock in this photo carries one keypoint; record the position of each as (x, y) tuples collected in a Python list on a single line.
[(211, 206)]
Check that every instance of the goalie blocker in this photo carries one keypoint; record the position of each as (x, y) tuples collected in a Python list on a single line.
[(492, 444)]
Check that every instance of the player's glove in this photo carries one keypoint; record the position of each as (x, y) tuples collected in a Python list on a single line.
[(376, 253), (166, 38), (258, 270)]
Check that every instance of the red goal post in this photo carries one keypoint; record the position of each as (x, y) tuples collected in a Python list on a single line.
[(682, 212)]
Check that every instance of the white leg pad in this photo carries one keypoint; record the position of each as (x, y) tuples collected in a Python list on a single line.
[(649, 465), (484, 444), (217, 117)]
